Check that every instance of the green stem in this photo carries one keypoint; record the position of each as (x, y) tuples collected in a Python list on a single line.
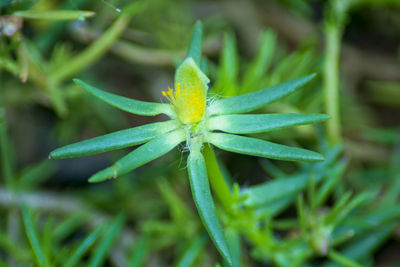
[(217, 180), (331, 82)]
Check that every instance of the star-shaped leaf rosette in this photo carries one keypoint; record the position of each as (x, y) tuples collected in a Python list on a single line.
[(198, 123)]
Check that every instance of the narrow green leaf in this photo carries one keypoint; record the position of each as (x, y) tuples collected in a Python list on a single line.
[(363, 247), (127, 104), (196, 43), (193, 250), (141, 250), (301, 213), (37, 249), (140, 156), (328, 186), (251, 101), (233, 239), (342, 260), (204, 202), (113, 141), (103, 249), (260, 148), (257, 123), (55, 14), (34, 175), (272, 191), (83, 247), (260, 64), (229, 66)]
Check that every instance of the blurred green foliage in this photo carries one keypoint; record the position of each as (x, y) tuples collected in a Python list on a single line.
[(341, 212)]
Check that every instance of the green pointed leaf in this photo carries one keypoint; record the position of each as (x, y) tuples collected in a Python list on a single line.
[(192, 252), (257, 123), (233, 239), (127, 104), (113, 141), (261, 148), (55, 14), (104, 247), (251, 101), (141, 250), (37, 249), (272, 191), (80, 251), (140, 156), (258, 67), (204, 202), (196, 43)]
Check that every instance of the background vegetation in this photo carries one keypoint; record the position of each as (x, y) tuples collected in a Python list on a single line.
[(341, 212)]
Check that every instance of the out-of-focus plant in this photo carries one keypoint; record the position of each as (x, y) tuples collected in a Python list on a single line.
[(195, 121)]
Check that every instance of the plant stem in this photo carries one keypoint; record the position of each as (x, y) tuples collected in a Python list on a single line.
[(331, 82), (217, 180)]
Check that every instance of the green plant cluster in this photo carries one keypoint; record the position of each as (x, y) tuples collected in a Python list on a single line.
[(194, 191)]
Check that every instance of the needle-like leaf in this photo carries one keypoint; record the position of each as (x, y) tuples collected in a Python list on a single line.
[(127, 104), (257, 123), (252, 101), (140, 156), (55, 14), (196, 43), (205, 205), (113, 141), (261, 148)]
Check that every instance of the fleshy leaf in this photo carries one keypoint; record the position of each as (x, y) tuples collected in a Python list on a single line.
[(205, 205), (192, 252), (261, 148), (257, 123), (195, 46), (55, 14), (37, 249), (113, 141), (140, 156), (251, 101), (127, 104)]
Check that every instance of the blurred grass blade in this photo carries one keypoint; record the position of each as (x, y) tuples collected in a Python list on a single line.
[(272, 191), (140, 156), (127, 104), (141, 250), (115, 140), (328, 186), (37, 249), (363, 247), (192, 252), (196, 43), (257, 123), (55, 14), (261, 148), (233, 239), (80, 251), (7, 155), (205, 205), (32, 176), (95, 50), (342, 260), (252, 101), (260, 64), (101, 252), (228, 71)]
